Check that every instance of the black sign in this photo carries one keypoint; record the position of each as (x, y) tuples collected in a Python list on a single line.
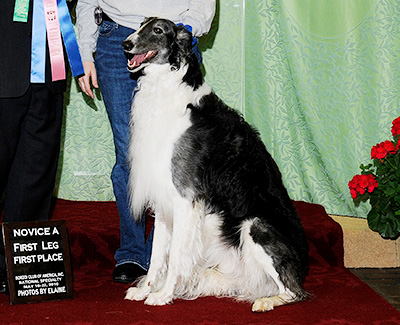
[(38, 261)]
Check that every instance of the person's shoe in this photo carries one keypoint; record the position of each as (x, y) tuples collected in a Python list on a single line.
[(127, 273), (3, 281)]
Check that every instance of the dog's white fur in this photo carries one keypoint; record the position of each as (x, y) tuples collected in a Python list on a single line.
[(156, 131)]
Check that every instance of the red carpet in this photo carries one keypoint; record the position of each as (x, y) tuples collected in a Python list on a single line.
[(337, 296)]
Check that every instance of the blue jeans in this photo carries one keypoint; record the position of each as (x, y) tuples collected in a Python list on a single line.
[(117, 88)]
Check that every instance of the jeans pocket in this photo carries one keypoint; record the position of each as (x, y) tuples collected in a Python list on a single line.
[(107, 28)]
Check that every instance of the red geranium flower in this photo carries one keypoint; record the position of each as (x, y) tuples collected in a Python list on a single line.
[(396, 127), (361, 184), (381, 150), (383, 216)]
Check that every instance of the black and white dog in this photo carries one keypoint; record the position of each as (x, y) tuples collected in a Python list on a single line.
[(224, 223)]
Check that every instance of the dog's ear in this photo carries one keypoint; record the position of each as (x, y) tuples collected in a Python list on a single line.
[(184, 38), (181, 48)]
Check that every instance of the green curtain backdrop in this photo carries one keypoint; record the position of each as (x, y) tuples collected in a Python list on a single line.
[(320, 80)]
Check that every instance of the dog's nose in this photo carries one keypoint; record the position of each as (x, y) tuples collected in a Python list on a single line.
[(127, 45)]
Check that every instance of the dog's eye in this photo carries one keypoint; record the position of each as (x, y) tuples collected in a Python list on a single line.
[(157, 30)]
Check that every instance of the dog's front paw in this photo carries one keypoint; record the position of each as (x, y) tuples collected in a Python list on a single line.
[(263, 305), (158, 299), (268, 303), (137, 294)]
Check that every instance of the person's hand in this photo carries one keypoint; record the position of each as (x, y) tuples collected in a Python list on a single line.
[(90, 77)]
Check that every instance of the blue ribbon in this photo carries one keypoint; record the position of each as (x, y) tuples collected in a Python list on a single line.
[(38, 58), (68, 34)]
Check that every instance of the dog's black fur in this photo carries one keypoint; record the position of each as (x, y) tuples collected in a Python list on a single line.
[(223, 160)]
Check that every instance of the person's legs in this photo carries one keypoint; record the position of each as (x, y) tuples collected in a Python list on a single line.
[(12, 112), (117, 88), (32, 175), (29, 150)]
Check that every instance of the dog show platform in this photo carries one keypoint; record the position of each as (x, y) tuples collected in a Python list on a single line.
[(336, 295)]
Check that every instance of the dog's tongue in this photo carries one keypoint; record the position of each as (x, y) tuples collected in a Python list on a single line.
[(139, 58)]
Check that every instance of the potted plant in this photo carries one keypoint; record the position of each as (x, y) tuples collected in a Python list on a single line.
[(379, 183)]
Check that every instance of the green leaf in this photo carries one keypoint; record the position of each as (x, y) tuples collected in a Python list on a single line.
[(387, 225), (373, 219)]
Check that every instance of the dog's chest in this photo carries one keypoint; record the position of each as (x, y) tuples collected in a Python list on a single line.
[(160, 117), (160, 114)]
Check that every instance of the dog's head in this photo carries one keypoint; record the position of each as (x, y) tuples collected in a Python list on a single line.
[(157, 41)]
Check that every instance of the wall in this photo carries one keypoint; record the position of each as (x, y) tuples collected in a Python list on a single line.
[(320, 80)]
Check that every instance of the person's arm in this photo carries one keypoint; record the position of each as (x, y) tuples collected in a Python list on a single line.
[(200, 16), (87, 39)]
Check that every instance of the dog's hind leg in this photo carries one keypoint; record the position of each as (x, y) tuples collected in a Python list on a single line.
[(185, 251), (158, 264), (270, 282)]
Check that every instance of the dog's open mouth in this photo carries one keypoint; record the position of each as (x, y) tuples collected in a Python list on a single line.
[(139, 59)]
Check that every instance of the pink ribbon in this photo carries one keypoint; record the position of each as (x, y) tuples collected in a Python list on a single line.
[(54, 40)]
